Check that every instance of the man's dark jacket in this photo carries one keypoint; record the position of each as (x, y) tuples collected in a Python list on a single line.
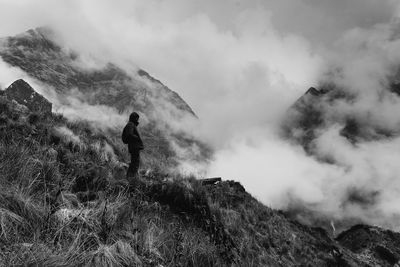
[(135, 143)]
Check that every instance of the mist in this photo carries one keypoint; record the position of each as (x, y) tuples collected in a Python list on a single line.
[(240, 65)]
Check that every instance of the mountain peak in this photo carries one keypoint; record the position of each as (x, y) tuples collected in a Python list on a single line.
[(22, 83), (21, 92), (38, 39)]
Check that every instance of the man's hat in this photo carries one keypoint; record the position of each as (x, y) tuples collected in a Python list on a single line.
[(134, 117)]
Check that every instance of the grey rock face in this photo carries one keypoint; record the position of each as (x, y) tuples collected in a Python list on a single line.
[(379, 246), (22, 93)]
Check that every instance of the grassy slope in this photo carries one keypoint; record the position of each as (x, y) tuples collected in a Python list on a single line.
[(64, 202)]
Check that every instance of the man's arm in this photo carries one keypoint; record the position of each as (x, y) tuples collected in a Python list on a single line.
[(131, 132), (134, 136), (140, 142)]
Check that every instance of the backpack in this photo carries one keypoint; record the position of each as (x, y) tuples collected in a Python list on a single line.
[(125, 137)]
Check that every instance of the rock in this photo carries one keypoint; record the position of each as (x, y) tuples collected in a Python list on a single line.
[(22, 93), (120, 170), (52, 153), (19, 107), (386, 254), (381, 246)]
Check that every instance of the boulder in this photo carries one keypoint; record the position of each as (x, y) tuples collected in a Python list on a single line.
[(381, 247), (22, 93)]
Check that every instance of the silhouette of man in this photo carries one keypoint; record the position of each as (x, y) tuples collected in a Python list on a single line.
[(130, 136)]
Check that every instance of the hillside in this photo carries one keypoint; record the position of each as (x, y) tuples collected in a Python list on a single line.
[(67, 78), (65, 202)]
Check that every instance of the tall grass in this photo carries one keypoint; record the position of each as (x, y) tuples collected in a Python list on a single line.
[(64, 202)]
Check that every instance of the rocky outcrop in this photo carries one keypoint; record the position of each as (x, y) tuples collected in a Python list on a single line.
[(22, 93), (381, 247)]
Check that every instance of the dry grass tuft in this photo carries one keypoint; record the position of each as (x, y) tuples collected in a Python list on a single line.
[(10, 223), (118, 254)]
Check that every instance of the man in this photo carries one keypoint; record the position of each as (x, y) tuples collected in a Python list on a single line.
[(130, 136)]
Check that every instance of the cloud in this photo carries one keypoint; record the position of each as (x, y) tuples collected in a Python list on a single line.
[(240, 64), (185, 46), (371, 169), (208, 49), (9, 74), (271, 168)]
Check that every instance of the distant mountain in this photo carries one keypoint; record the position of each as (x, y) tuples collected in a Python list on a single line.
[(39, 54), (315, 111), (313, 114)]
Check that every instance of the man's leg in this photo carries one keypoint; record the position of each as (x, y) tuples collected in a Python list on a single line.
[(135, 158), (134, 165)]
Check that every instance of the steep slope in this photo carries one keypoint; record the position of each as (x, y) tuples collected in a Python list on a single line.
[(64, 202), (65, 72), (37, 53)]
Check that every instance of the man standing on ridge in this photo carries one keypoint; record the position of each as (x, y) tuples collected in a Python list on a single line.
[(130, 136)]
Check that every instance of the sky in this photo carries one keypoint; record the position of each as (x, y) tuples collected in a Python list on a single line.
[(240, 65)]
